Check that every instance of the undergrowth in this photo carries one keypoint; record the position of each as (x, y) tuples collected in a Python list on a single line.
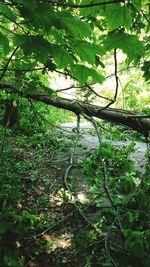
[(21, 221), (113, 229), (122, 196)]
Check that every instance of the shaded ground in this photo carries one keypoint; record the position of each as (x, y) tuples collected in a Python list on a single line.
[(89, 141), (68, 220)]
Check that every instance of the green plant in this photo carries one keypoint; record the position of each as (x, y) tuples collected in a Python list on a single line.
[(70, 40), (42, 42), (124, 205), (19, 224)]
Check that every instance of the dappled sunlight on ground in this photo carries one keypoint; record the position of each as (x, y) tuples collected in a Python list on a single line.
[(58, 242), (83, 198), (62, 196)]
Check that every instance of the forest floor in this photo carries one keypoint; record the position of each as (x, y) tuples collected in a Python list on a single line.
[(60, 193)]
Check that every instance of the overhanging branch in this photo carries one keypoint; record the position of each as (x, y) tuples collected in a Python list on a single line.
[(67, 4)]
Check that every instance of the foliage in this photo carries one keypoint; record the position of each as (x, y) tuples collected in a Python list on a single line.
[(114, 132), (48, 36), (125, 222), (20, 220), (42, 38), (39, 39), (117, 163), (22, 223)]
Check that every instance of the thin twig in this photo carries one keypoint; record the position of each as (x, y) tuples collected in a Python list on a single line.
[(3, 142), (67, 172), (43, 118), (90, 118), (116, 79), (105, 184), (65, 89), (16, 23), (116, 75), (52, 227), (12, 32), (9, 60), (64, 4), (95, 93), (106, 244), (25, 70), (72, 155), (142, 12)]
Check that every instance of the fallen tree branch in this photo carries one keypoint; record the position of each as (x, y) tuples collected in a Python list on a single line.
[(95, 126), (72, 155), (118, 116)]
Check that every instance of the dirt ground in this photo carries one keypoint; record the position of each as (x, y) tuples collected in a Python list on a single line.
[(67, 210)]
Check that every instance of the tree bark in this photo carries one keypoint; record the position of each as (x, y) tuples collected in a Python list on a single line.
[(118, 116), (10, 116)]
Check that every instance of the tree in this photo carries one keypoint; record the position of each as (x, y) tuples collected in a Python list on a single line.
[(71, 38)]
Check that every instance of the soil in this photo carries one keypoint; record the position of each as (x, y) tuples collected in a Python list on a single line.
[(69, 215)]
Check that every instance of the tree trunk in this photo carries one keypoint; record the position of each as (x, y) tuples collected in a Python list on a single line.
[(10, 116), (118, 116)]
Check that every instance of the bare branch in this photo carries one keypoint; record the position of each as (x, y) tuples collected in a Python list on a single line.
[(15, 22), (95, 93), (64, 4), (65, 89), (118, 116), (145, 16), (9, 60), (43, 118), (116, 78), (105, 184)]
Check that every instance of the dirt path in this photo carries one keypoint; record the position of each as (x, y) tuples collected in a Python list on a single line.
[(88, 142), (67, 237)]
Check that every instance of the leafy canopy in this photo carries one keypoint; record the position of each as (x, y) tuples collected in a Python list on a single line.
[(68, 36)]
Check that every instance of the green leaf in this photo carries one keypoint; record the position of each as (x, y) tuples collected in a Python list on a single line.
[(50, 65), (92, 10), (74, 26), (4, 43), (11, 260), (37, 45), (137, 248), (127, 232), (28, 3), (146, 70), (134, 242), (117, 16), (129, 44), (97, 77), (61, 57), (98, 62), (137, 4), (3, 228), (87, 51), (41, 16), (43, 50), (6, 10), (82, 73)]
